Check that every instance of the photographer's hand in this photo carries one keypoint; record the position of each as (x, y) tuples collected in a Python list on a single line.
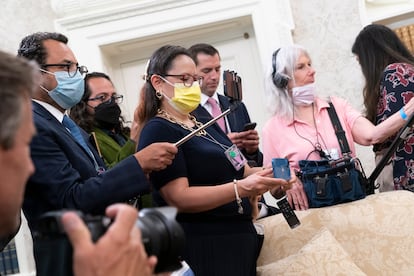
[(118, 252)]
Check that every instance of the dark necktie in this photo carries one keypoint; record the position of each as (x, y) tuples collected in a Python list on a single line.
[(216, 111)]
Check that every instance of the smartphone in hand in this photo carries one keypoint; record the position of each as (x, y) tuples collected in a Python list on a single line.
[(249, 126), (281, 168)]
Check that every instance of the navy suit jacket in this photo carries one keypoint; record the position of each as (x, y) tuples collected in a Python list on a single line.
[(66, 177), (237, 118)]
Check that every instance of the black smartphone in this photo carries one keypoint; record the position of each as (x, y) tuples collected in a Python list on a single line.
[(249, 126), (281, 168)]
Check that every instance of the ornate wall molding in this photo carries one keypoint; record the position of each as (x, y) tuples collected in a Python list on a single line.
[(393, 13), (77, 14)]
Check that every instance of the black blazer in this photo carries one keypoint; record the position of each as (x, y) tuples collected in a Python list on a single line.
[(236, 119)]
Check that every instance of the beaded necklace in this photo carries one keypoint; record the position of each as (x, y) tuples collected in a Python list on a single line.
[(164, 114)]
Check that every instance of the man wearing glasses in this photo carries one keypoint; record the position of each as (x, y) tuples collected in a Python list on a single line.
[(69, 174)]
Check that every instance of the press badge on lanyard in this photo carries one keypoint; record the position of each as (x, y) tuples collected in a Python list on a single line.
[(235, 157)]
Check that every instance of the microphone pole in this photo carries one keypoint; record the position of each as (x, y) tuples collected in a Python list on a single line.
[(401, 136), (204, 126)]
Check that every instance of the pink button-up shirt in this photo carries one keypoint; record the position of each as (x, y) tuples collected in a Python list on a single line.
[(280, 139)]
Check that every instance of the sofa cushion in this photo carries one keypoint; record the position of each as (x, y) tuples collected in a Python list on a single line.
[(376, 232), (323, 255)]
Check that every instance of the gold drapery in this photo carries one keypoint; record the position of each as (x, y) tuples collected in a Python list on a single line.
[(406, 34)]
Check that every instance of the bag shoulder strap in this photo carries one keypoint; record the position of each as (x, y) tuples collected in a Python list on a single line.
[(340, 133)]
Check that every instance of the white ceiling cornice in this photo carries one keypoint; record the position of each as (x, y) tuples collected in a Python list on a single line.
[(78, 16)]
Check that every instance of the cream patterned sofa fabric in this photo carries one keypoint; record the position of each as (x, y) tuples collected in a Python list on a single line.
[(376, 233), (323, 255)]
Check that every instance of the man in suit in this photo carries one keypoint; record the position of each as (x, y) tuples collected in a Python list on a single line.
[(207, 59), (69, 172), (18, 80)]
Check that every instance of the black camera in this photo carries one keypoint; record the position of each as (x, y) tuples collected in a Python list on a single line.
[(161, 235)]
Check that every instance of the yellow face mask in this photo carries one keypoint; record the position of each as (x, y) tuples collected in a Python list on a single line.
[(186, 99)]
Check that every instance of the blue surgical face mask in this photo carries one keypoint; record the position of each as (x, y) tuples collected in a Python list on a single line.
[(69, 90)]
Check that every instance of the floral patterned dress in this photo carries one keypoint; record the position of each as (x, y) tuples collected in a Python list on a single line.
[(397, 88)]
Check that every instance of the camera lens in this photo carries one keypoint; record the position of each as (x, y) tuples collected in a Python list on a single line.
[(162, 236)]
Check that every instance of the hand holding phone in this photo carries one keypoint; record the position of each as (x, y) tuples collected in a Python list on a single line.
[(249, 126), (281, 168)]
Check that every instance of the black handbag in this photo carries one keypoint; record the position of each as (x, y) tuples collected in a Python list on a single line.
[(329, 182)]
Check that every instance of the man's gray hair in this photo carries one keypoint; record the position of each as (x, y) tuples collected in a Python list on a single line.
[(18, 79)]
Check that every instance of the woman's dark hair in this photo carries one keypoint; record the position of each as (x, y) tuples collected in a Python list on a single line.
[(79, 113), (377, 46), (159, 64)]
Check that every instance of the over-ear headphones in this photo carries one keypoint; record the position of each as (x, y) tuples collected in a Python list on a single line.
[(279, 79)]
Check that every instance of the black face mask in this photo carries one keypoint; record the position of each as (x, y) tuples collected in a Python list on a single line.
[(107, 115)]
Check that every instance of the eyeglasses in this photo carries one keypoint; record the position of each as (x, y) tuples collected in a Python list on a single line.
[(106, 98), (70, 67), (187, 80)]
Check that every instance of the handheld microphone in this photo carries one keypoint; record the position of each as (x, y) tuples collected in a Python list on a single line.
[(286, 210)]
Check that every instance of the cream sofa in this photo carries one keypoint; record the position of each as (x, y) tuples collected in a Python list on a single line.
[(372, 236)]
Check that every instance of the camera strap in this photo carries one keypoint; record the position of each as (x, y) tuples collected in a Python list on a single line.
[(340, 133), (346, 152)]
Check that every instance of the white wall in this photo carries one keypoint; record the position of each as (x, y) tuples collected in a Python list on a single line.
[(19, 18), (327, 28)]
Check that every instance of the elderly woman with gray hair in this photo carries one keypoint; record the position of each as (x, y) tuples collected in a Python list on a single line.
[(300, 127)]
